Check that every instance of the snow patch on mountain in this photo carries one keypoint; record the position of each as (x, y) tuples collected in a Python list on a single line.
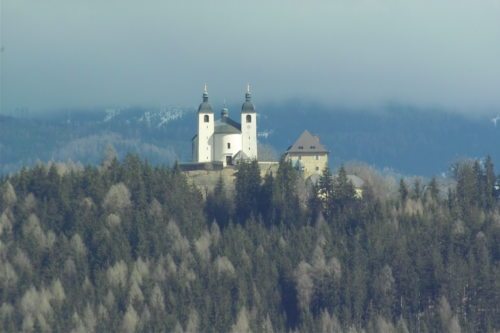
[(110, 114), (162, 117), (265, 134)]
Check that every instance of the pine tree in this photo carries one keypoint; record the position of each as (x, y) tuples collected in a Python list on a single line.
[(285, 197), (247, 187), (218, 205), (489, 186), (325, 193), (343, 190)]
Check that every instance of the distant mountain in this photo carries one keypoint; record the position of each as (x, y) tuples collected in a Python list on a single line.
[(408, 140)]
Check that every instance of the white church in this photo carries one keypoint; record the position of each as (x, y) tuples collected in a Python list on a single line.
[(225, 140)]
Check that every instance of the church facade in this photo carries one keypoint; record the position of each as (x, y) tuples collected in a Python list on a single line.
[(225, 140)]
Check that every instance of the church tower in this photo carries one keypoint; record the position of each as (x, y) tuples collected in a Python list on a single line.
[(249, 127), (206, 121)]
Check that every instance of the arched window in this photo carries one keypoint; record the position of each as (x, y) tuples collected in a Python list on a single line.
[(249, 118), (206, 118)]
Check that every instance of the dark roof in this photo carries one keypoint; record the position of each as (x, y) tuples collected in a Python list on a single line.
[(226, 125), (240, 155), (205, 107), (307, 143), (247, 107)]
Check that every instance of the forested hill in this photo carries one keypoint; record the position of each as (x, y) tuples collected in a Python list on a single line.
[(127, 247), (408, 140)]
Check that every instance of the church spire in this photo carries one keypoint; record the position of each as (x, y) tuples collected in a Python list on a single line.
[(248, 106), (205, 94), (248, 95), (205, 106), (225, 111)]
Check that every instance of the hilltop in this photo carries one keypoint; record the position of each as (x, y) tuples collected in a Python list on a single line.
[(408, 140)]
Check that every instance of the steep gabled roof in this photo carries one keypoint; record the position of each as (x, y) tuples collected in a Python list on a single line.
[(307, 143)]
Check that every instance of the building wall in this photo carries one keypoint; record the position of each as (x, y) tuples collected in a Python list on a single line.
[(311, 163), (249, 134), (221, 149), (205, 137)]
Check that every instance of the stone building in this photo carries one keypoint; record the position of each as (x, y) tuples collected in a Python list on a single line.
[(308, 155)]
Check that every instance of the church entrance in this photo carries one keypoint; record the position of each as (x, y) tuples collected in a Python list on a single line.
[(229, 160)]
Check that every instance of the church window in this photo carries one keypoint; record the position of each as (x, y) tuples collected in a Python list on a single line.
[(229, 145), (301, 147), (206, 118), (317, 157), (317, 168), (249, 118), (313, 147)]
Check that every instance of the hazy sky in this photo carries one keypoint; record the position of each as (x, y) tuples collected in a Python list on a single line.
[(84, 53)]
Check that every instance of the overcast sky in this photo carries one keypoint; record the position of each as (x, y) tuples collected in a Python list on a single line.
[(85, 53)]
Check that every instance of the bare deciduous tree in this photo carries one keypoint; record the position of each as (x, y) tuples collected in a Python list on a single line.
[(117, 275), (193, 322), (242, 324), (329, 323), (117, 198), (78, 245), (9, 194), (57, 291), (224, 266), (156, 300), (304, 284), (202, 246), (8, 276), (449, 321), (130, 320)]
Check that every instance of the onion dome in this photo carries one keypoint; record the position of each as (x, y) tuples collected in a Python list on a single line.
[(205, 106), (248, 105)]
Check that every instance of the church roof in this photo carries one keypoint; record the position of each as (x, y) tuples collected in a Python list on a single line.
[(307, 143), (240, 156), (205, 107), (248, 107), (226, 125)]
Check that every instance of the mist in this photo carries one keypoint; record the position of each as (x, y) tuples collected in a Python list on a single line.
[(76, 54)]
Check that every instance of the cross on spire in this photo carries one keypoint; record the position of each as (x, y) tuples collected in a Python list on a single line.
[(205, 94), (248, 94)]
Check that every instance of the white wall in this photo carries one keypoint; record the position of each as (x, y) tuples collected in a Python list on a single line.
[(205, 137), (249, 135), (220, 146)]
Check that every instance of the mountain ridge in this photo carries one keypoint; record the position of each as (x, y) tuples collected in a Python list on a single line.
[(402, 138)]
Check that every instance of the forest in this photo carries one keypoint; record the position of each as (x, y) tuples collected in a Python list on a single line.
[(127, 246)]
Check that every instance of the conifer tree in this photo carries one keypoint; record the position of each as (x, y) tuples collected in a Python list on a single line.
[(247, 187)]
